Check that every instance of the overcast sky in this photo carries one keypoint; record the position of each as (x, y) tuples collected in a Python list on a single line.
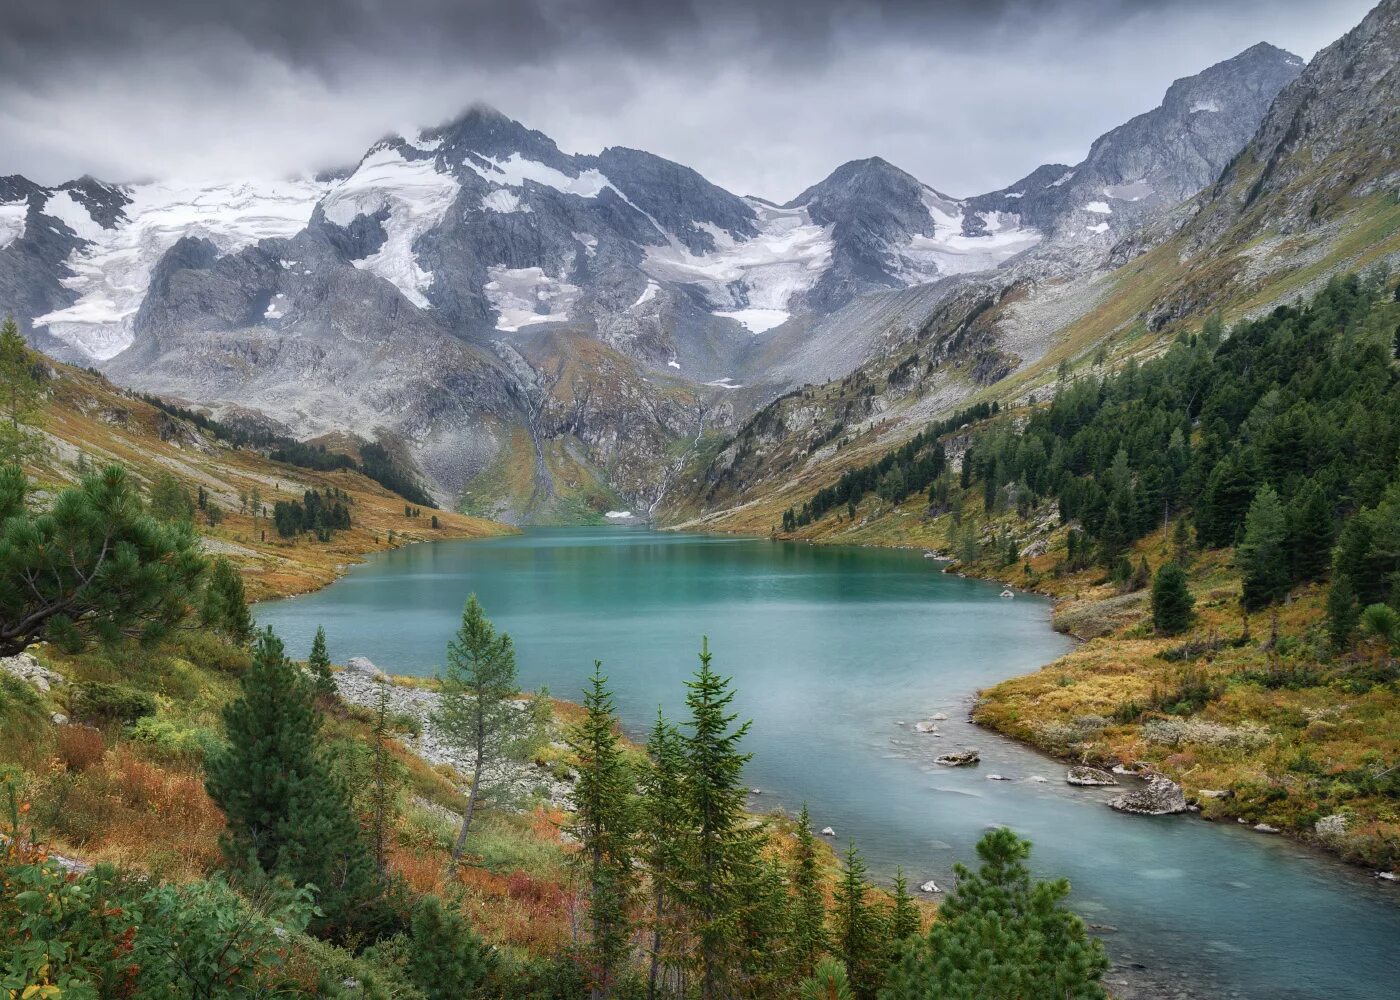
[(763, 98)]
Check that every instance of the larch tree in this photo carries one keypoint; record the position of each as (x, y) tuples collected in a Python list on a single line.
[(319, 666), (475, 713), (605, 825)]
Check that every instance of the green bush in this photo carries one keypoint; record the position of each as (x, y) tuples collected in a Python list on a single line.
[(99, 702), (207, 650), (164, 738)]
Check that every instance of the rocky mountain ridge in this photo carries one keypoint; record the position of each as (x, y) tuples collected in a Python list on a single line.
[(461, 290)]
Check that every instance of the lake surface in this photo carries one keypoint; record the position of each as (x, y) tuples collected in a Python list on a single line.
[(831, 649)]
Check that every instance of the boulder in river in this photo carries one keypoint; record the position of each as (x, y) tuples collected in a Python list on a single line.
[(939, 716), (1159, 797), (1265, 828), (929, 887), (997, 777), (828, 832), (1089, 777), (962, 759)]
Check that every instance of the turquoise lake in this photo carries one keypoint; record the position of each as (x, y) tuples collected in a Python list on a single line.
[(832, 648)]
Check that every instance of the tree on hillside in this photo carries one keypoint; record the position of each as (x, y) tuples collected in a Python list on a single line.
[(605, 825), (318, 663), (809, 937), (1310, 533), (1172, 602), (1262, 556), (21, 396), (664, 823), (859, 933), (287, 814), (170, 501), (92, 565), (1343, 612), (474, 712), (1001, 934), (449, 961), (721, 847), (225, 606)]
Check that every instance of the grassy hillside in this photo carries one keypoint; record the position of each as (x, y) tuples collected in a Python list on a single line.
[(88, 421)]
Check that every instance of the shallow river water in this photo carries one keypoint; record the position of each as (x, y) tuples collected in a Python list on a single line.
[(830, 650)]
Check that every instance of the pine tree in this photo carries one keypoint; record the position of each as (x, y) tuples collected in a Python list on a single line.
[(1001, 934), (605, 825), (1262, 556), (721, 847), (287, 814), (319, 665), (764, 938), (1172, 602), (474, 712), (1343, 612), (665, 824), (92, 565), (448, 960), (860, 934), (21, 396), (225, 607), (809, 906), (828, 981)]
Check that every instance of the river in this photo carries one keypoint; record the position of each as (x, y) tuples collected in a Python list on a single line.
[(830, 650)]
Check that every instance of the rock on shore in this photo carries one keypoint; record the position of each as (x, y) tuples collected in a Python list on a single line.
[(1159, 797)]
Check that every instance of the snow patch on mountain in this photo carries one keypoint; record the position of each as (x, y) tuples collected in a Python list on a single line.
[(524, 296), (415, 195), (63, 206), (751, 280), (951, 251), (1210, 106), (503, 201), (1099, 208), (648, 293), (12, 215), (515, 170), (113, 271)]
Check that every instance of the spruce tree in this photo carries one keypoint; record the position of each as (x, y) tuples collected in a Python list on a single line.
[(1311, 533), (721, 846), (904, 916), (474, 712), (1172, 602), (287, 814), (319, 666), (809, 937), (605, 826), (1001, 934), (1343, 612), (764, 939), (170, 501), (860, 934), (1181, 543), (664, 827), (1262, 556)]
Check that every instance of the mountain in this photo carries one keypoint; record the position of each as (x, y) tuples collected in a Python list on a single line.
[(461, 291), (1310, 194)]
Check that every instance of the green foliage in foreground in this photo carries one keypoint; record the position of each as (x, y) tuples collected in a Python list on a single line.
[(93, 565), (1001, 934)]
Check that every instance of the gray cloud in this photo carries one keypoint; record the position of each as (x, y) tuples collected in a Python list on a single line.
[(763, 98)]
